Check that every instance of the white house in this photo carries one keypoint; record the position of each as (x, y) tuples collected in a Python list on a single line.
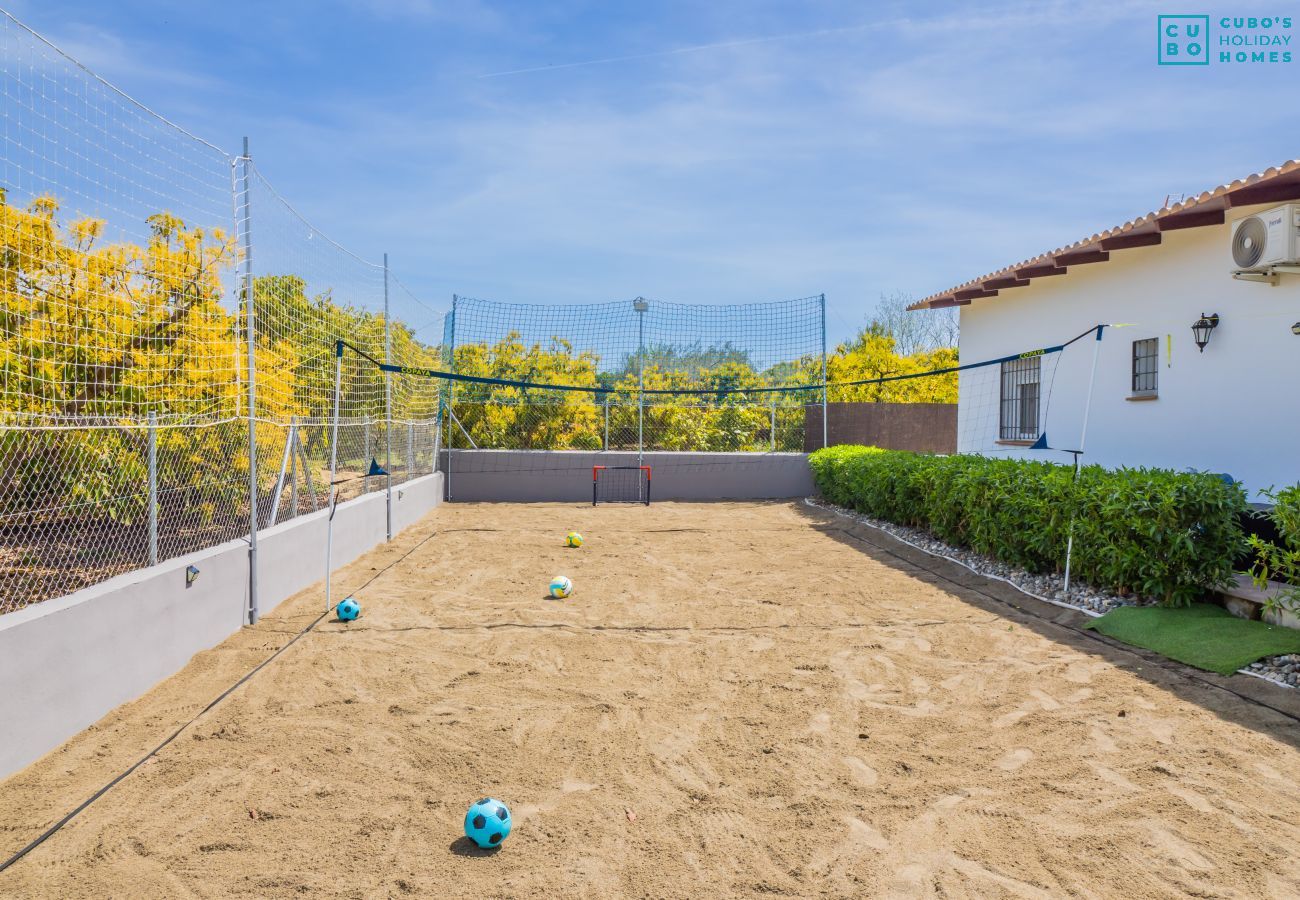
[(1232, 407)]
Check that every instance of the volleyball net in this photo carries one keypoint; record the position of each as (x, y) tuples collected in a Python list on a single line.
[(552, 406)]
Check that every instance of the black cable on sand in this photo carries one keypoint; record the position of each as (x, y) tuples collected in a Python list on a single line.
[(53, 829)]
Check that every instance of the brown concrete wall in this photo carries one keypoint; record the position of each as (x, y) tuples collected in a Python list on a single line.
[(926, 427)]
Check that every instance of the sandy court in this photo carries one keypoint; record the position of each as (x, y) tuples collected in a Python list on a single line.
[(738, 700)]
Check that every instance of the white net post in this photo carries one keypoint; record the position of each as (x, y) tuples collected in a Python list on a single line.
[(1083, 437), (334, 467)]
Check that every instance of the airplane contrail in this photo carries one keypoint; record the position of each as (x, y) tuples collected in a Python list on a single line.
[(678, 50)]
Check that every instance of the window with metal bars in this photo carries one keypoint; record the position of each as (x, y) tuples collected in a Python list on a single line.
[(1019, 406), (1146, 357)]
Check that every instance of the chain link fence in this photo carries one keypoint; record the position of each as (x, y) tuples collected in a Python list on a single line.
[(141, 417), (167, 332)]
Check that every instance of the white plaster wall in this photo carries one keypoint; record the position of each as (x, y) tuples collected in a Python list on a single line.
[(67, 662), (1234, 408)]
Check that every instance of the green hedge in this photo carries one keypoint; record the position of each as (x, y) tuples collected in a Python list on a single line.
[(1280, 561), (1151, 532)]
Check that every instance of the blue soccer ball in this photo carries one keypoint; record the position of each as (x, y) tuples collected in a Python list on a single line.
[(348, 609), (487, 823)]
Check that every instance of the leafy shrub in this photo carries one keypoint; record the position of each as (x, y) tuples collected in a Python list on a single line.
[(1280, 561), (1152, 532)]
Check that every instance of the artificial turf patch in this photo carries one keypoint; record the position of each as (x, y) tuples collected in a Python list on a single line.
[(1207, 637)]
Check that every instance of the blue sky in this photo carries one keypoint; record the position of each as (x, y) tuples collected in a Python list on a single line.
[(848, 148)]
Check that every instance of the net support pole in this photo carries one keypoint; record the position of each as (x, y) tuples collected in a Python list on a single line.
[(773, 403), (451, 389), (306, 470), (605, 446), (293, 467), (334, 466), (437, 443), (153, 488), (249, 337), (1083, 436), (640, 305), (825, 405), (279, 480), (366, 453), (388, 415)]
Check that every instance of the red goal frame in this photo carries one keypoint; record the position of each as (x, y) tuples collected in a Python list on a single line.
[(595, 484)]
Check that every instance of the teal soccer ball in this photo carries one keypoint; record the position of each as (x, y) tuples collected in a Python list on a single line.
[(348, 610), (487, 823)]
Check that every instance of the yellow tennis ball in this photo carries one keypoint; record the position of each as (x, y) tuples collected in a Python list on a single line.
[(573, 539)]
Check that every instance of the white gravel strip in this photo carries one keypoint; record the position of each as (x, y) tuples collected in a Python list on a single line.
[(1283, 670)]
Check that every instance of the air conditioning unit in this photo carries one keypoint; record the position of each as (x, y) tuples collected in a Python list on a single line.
[(1266, 239)]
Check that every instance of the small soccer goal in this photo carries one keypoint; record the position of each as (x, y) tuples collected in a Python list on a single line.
[(620, 484)]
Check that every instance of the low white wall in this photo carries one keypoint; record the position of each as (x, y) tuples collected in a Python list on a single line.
[(65, 663), (291, 556)]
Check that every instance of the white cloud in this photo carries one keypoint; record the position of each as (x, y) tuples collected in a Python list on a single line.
[(751, 170)]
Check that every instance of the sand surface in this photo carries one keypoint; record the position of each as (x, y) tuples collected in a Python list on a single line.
[(738, 700)]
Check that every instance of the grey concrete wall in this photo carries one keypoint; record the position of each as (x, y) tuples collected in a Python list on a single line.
[(565, 475), (67, 662)]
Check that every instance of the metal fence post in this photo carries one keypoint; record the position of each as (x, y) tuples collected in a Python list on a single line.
[(825, 405), (388, 414), (250, 339), (437, 443), (773, 423), (293, 466), (640, 305), (365, 482), (451, 394), (153, 488), (606, 444), (410, 451)]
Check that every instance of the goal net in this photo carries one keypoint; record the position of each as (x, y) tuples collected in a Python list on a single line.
[(620, 484)]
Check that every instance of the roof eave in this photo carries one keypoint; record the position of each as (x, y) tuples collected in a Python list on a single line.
[(1279, 184)]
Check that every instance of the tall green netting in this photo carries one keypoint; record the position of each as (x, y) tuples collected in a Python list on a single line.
[(691, 378)]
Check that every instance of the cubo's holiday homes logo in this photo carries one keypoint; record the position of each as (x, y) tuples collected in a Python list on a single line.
[(1187, 40), (1183, 40)]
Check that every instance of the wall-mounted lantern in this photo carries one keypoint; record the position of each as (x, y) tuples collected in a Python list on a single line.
[(1202, 327)]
